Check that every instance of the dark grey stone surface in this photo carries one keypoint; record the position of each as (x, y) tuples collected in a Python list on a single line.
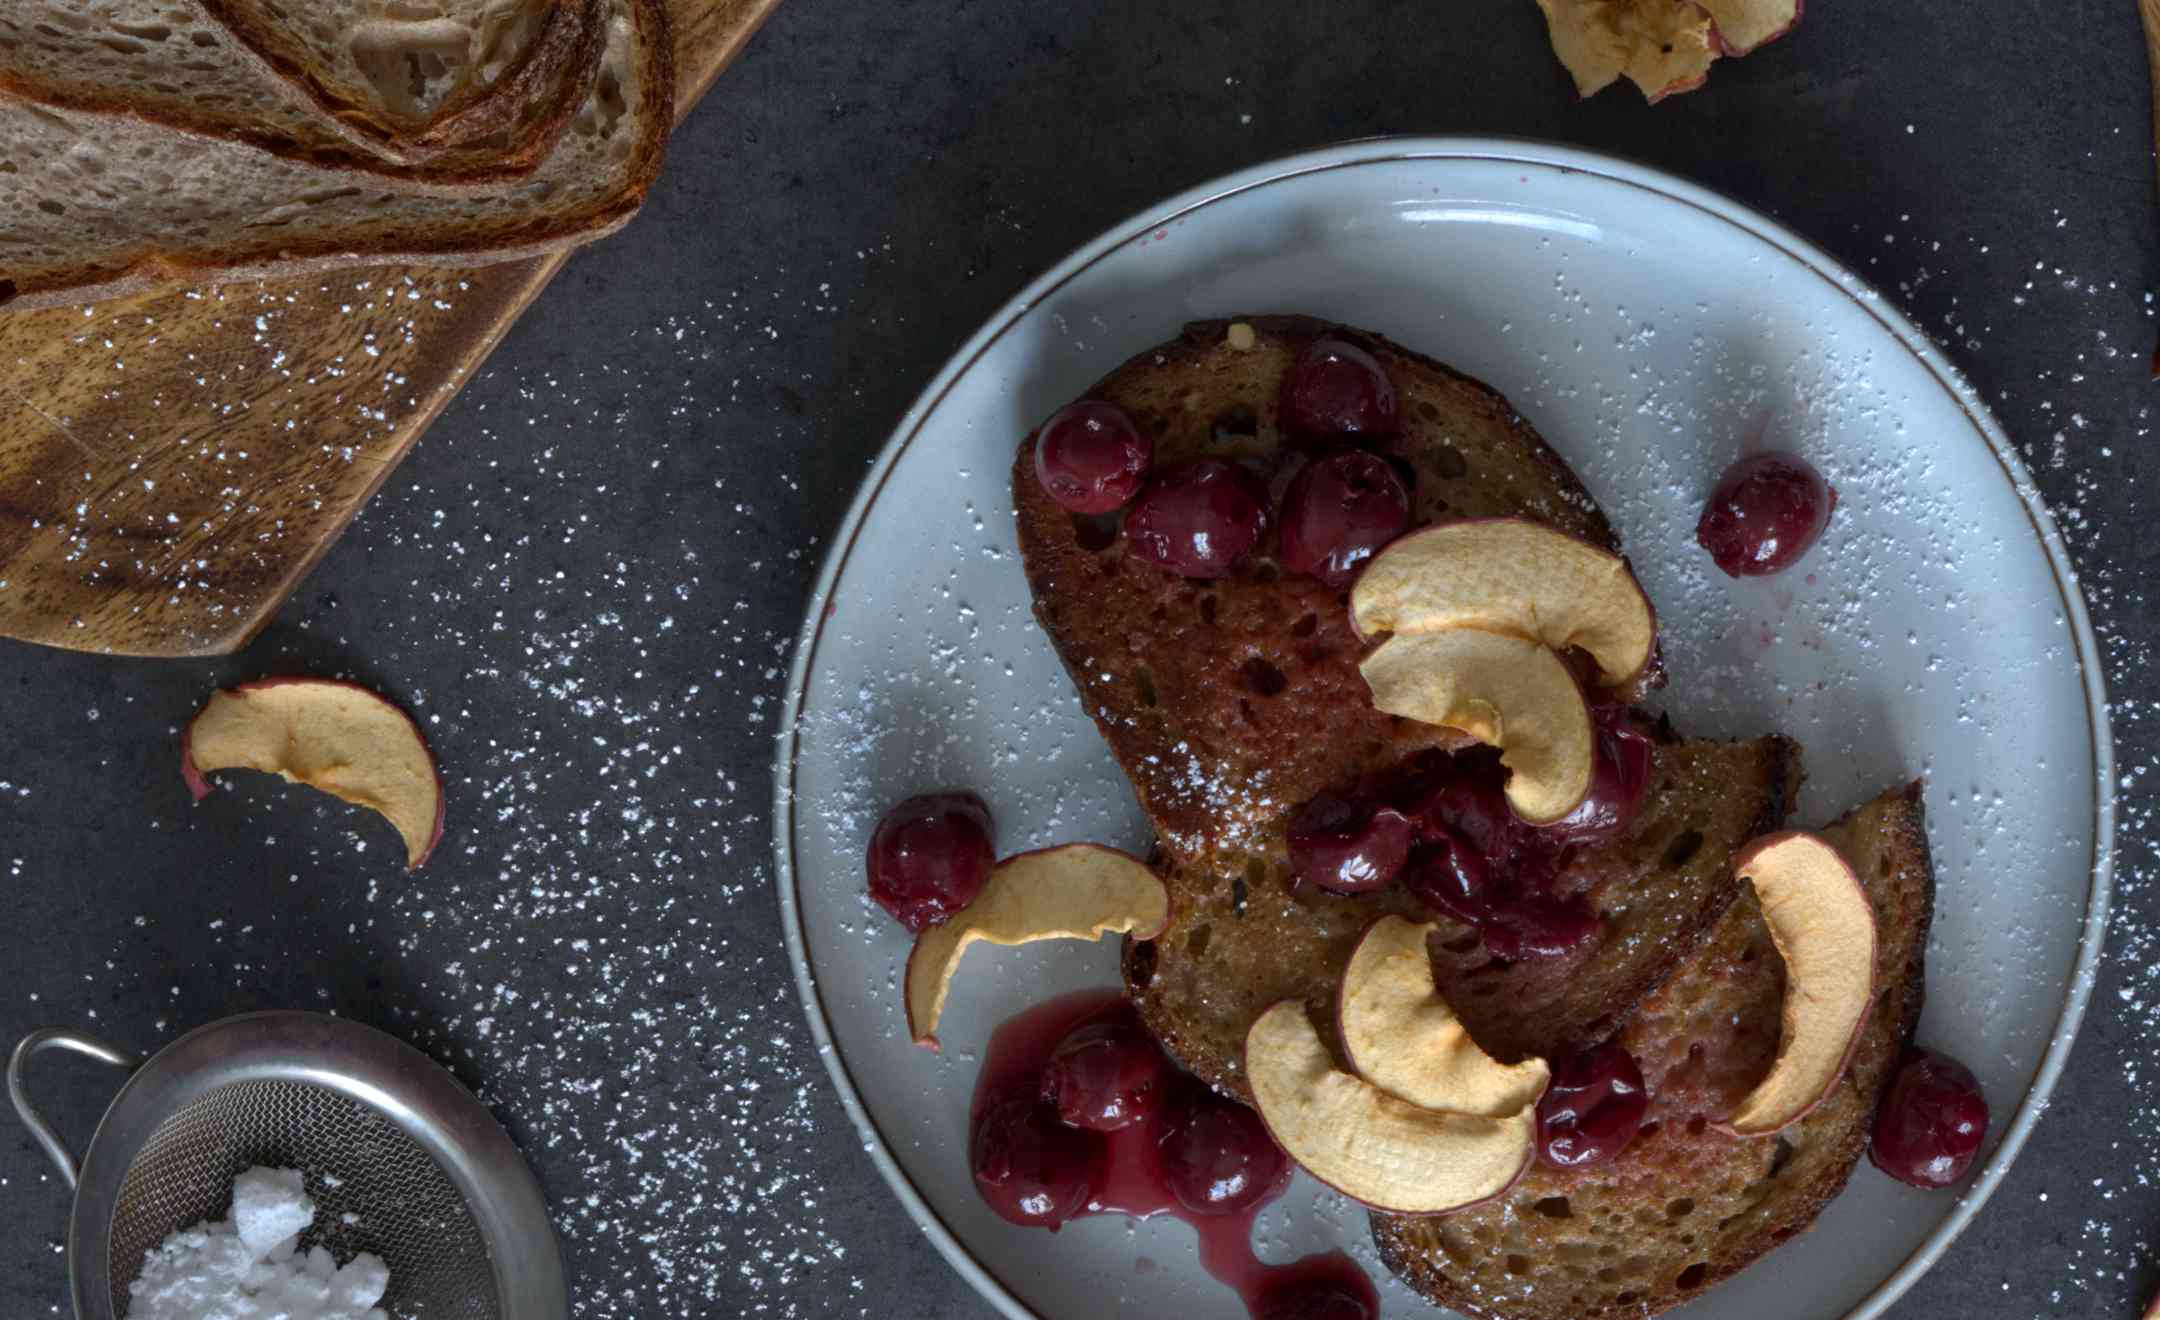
[(587, 576)]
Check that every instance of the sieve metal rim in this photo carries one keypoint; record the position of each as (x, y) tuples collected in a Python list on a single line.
[(374, 1069)]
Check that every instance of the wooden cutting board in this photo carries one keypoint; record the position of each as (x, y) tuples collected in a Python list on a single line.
[(171, 465)]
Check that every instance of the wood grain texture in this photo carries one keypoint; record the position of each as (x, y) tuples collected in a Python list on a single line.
[(171, 465)]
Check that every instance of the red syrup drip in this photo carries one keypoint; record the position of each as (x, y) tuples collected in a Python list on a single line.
[(1131, 1183)]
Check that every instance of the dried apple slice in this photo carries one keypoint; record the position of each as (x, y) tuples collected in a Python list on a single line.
[(1739, 26), (1505, 692), (328, 734), (1514, 576), (1824, 927), (1386, 1152), (1077, 891), (1662, 46), (1400, 1034)]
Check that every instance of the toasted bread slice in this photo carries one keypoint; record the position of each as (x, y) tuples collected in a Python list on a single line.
[(168, 62), (1240, 939), (1229, 703), (98, 205), (1214, 695), (1685, 1205)]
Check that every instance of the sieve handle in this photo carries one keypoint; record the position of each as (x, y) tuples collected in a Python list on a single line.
[(56, 1038)]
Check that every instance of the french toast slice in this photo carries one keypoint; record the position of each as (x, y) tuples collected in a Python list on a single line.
[(1231, 702), (1241, 939), (1685, 1205)]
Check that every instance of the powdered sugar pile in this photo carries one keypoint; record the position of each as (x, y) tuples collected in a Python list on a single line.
[(250, 1267)]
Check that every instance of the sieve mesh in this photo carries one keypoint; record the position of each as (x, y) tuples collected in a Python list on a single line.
[(404, 1208)]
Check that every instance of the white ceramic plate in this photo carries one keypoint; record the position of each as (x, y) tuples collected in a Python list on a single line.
[(1648, 329)]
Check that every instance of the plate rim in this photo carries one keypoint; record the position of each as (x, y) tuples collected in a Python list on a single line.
[(1565, 159)]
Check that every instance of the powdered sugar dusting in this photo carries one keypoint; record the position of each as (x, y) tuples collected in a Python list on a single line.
[(592, 948)]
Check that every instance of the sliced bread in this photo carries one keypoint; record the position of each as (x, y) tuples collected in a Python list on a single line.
[(415, 72), (96, 205), (168, 62), (1684, 1205), (1231, 702), (1241, 938)]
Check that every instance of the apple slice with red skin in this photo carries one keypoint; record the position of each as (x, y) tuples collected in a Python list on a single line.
[(1513, 576), (1371, 1146), (1824, 927), (1662, 46), (1739, 26), (1076, 891), (1399, 1033), (328, 734), (1506, 692)]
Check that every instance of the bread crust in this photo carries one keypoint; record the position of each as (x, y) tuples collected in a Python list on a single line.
[(556, 66)]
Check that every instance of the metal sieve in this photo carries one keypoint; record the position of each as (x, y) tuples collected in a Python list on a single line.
[(400, 1160)]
